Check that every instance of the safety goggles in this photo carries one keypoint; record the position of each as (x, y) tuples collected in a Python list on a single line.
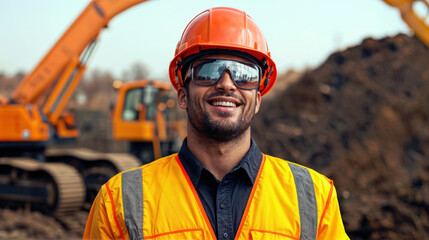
[(207, 72)]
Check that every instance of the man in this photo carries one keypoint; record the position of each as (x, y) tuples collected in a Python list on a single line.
[(219, 186)]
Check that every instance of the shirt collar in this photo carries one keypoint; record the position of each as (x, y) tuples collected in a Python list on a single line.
[(250, 163)]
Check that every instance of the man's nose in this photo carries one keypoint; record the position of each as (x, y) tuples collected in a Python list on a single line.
[(225, 82)]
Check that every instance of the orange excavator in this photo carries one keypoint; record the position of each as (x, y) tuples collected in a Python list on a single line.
[(55, 181), (419, 24), (146, 116)]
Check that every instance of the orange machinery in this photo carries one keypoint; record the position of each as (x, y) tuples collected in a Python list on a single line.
[(50, 85), (55, 180), (418, 24), (146, 116)]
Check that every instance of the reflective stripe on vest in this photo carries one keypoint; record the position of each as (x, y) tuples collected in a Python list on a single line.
[(306, 202), (132, 198)]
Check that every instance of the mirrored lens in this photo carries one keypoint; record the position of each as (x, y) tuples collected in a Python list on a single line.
[(245, 76), (208, 71)]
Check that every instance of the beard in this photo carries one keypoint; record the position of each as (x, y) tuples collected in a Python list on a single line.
[(223, 130)]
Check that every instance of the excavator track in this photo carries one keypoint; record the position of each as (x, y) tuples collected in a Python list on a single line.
[(53, 188), (96, 168)]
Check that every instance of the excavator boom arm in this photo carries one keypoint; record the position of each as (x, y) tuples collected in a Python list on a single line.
[(57, 74), (416, 23)]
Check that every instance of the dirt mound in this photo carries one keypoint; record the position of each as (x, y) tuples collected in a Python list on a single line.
[(362, 119), (34, 225)]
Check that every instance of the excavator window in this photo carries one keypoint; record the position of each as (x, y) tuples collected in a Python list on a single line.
[(149, 101), (131, 105), (140, 103)]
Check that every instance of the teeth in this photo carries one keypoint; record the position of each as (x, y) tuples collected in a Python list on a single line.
[(224, 104)]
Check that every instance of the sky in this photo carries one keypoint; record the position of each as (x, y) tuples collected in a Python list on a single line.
[(300, 34)]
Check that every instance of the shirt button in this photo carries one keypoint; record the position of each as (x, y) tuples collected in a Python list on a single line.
[(222, 205), (225, 235)]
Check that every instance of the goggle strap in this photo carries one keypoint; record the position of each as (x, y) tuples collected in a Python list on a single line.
[(179, 65), (266, 78)]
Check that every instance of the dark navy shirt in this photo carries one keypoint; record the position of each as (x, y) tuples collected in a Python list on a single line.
[(224, 201)]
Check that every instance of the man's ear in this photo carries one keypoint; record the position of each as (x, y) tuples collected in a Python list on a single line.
[(258, 101), (182, 99)]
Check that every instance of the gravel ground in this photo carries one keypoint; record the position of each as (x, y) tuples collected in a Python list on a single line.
[(22, 224)]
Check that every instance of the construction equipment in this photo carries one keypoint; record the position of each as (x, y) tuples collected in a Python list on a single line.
[(418, 24), (146, 116), (55, 180)]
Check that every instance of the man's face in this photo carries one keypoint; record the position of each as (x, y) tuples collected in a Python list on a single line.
[(222, 112)]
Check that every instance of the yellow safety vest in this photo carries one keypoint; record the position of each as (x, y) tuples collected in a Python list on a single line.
[(158, 201)]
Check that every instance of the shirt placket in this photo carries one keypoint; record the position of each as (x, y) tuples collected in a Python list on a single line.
[(224, 211)]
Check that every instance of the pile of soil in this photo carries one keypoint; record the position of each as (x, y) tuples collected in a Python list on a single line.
[(362, 119), (23, 224)]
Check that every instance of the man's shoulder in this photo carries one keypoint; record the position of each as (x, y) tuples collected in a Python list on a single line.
[(159, 164), (116, 181), (317, 177)]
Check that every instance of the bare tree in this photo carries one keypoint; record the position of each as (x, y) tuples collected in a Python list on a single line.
[(137, 71)]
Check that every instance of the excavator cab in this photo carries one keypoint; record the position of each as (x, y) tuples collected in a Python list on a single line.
[(141, 117), (140, 103)]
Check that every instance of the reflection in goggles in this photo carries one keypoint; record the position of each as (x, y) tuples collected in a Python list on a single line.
[(207, 72)]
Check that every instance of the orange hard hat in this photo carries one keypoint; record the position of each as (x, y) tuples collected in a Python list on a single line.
[(223, 29)]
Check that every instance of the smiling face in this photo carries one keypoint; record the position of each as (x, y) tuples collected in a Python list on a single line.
[(221, 112)]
